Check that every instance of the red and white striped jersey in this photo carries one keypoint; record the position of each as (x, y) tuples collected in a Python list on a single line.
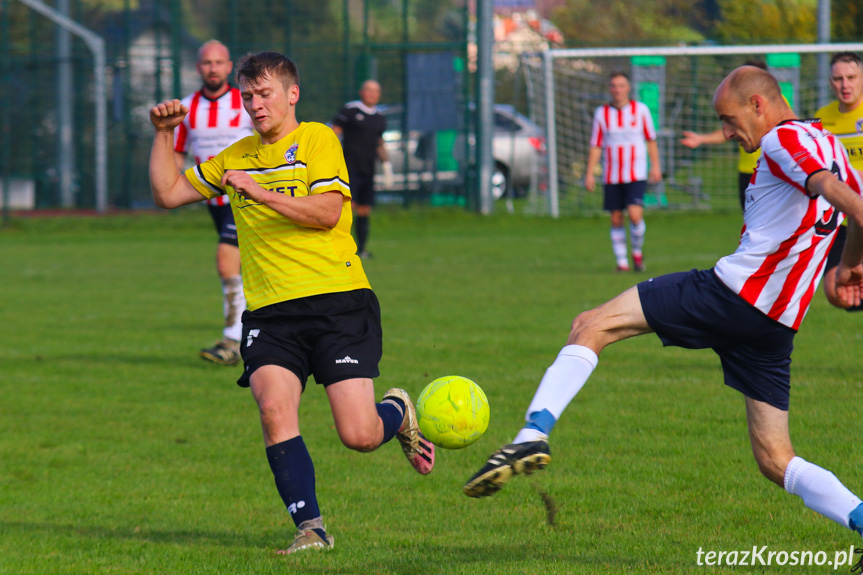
[(787, 233), (211, 126), (623, 133)]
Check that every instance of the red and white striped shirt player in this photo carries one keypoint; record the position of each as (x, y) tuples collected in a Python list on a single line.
[(623, 133), (211, 126), (779, 261)]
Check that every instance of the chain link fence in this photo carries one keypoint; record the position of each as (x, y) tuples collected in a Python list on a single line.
[(47, 117)]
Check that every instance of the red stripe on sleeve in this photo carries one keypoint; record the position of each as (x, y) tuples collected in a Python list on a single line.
[(777, 171), (790, 140)]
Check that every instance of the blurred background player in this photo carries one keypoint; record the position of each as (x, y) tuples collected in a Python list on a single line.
[(844, 117), (745, 162), (623, 136), (216, 119), (312, 312), (361, 127)]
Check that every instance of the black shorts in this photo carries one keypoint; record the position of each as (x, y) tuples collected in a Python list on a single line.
[(363, 189), (333, 337), (695, 310), (617, 196), (742, 183), (223, 218)]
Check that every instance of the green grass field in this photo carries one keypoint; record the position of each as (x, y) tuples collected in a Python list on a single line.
[(123, 452)]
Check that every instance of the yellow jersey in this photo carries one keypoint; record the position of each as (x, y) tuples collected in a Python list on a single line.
[(747, 161), (848, 127), (283, 260)]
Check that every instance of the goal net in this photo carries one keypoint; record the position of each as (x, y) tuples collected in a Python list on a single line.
[(564, 87)]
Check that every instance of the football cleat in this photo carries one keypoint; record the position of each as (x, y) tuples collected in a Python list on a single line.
[(307, 538), (225, 352), (638, 261), (509, 460), (419, 450)]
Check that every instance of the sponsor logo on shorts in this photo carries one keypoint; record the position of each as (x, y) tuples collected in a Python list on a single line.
[(253, 333), (347, 359)]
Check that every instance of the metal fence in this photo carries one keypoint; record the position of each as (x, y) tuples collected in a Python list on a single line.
[(48, 112)]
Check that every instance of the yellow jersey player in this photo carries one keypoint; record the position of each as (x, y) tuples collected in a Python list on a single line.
[(310, 310), (844, 117)]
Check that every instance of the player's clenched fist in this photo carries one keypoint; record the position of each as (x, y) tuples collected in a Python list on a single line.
[(168, 115)]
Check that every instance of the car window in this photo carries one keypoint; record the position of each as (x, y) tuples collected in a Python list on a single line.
[(505, 123)]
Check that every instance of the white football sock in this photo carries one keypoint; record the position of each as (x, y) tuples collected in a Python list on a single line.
[(636, 236), (618, 245), (233, 304), (820, 490), (560, 384)]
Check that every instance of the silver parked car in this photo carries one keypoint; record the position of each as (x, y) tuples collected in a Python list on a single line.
[(433, 160)]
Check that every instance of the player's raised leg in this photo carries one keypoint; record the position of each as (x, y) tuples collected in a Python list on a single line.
[(618, 319), (364, 425), (820, 490)]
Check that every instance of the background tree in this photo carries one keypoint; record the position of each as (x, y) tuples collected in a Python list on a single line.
[(760, 21)]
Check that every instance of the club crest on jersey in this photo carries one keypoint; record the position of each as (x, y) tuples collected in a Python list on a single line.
[(828, 222), (291, 154), (859, 125)]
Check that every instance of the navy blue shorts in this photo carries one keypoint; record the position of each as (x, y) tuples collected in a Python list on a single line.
[(333, 337), (695, 310), (223, 218), (618, 196)]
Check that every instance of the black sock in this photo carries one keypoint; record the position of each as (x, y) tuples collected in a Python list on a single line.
[(295, 478), (361, 226)]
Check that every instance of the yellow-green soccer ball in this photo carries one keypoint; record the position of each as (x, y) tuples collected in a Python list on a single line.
[(453, 412)]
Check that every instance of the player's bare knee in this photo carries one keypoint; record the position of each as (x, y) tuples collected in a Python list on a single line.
[(772, 465), (360, 440)]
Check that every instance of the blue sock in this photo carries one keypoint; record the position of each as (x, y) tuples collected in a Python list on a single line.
[(392, 416), (855, 519), (542, 421), (295, 479)]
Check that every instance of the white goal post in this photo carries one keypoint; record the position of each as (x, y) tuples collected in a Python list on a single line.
[(677, 83)]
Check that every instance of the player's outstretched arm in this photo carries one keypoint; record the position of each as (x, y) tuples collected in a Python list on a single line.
[(170, 188), (694, 139)]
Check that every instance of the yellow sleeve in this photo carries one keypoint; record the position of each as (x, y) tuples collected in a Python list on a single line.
[(326, 164), (207, 177)]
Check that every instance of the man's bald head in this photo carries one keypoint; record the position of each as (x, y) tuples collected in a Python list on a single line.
[(750, 104), (747, 81)]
